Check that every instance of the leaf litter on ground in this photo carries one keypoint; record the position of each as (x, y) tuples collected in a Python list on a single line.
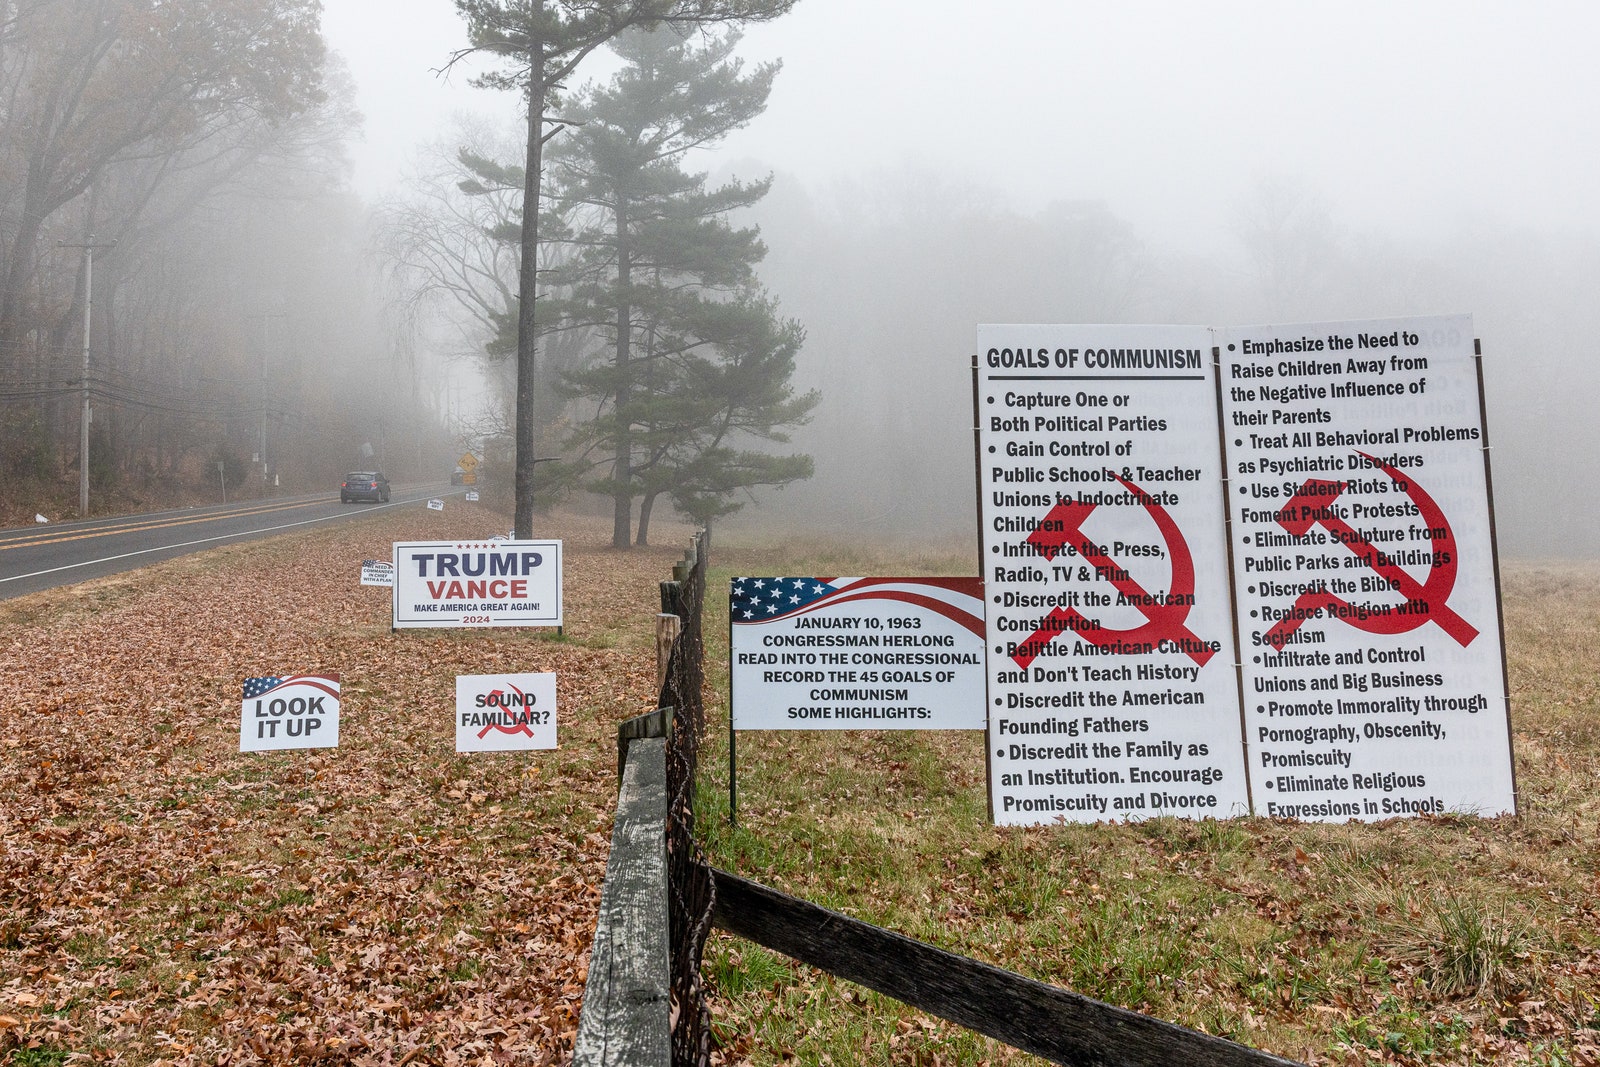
[(167, 899)]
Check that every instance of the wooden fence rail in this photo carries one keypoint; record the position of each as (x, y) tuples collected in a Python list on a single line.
[(1061, 1026), (627, 1005)]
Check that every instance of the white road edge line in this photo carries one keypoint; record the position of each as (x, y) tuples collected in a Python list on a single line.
[(187, 544)]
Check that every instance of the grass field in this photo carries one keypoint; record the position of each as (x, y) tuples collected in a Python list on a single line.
[(1440, 940), (166, 899)]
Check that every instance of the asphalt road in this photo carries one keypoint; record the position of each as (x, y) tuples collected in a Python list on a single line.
[(45, 556)]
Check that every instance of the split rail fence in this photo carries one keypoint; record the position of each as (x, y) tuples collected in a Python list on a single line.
[(645, 1004)]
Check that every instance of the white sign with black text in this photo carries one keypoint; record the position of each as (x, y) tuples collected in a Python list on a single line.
[(1112, 687), (505, 712), (477, 583), (1364, 569), (1242, 569), (377, 572), (856, 653), (301, 711)]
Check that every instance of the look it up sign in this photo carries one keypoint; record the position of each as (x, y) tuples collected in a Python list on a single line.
[(300, 711), (1239, 570)]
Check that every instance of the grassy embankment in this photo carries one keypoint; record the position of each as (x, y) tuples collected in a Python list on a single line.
[(1441, 940)]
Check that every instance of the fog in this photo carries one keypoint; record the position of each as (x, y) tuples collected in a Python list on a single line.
[(939, 165), (1224, 163)]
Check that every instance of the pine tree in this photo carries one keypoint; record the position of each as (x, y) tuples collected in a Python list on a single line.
[(542, 43), (698, 362)]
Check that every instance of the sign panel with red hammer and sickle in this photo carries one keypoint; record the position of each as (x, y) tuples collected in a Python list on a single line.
[(1112, 687), (1372, 666)]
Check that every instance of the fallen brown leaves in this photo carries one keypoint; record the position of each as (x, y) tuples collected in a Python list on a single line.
[(166, 899)]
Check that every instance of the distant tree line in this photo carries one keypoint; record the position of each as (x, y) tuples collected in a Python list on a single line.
[(197, 145)]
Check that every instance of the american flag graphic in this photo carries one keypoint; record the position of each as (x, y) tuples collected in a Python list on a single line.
[(254, 687), (756, 600), (328, 683)]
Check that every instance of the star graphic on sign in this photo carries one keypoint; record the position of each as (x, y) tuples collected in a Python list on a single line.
[(749, 614), (772, 609), (254, 687), (794, 600)]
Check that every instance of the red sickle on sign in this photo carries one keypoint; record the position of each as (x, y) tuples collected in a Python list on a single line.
[(1311, 506), (521, 728), (1164, 621)]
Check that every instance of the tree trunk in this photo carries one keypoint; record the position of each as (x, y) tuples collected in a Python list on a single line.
[(646, 505), (622, 454), (19, 271), (527, 352)]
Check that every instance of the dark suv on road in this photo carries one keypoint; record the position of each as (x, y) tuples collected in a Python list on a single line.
[(364, 485)]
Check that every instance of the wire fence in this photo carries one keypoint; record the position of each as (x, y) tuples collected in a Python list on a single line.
[(691, 891)]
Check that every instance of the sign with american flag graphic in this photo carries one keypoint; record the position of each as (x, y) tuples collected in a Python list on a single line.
[(377, 572), (812, 653), (300, 711)]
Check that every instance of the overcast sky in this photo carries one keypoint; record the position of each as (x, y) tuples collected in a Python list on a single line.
[(1402, 115)]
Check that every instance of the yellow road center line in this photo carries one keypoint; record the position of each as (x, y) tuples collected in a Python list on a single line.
[(164, 524)]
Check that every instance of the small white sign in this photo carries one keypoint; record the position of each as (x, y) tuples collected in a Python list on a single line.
[(301, 711), (377, 572), (436, 505), (472, 496), (505, 712)]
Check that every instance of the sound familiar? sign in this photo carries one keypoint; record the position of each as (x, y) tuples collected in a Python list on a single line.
[(505, 712)]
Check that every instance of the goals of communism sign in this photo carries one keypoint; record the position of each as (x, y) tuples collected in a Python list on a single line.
[(1234, 570)]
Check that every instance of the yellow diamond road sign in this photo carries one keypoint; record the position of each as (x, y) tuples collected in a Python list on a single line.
[(467, 461)]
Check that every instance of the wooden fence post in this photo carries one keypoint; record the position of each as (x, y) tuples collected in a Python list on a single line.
[(668, 627)]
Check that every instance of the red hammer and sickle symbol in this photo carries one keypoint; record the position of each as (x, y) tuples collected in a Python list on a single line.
[(1164, 616), (1425, 601), (520, 712)]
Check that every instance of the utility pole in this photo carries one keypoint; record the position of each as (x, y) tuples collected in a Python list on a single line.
[(88, 247)]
